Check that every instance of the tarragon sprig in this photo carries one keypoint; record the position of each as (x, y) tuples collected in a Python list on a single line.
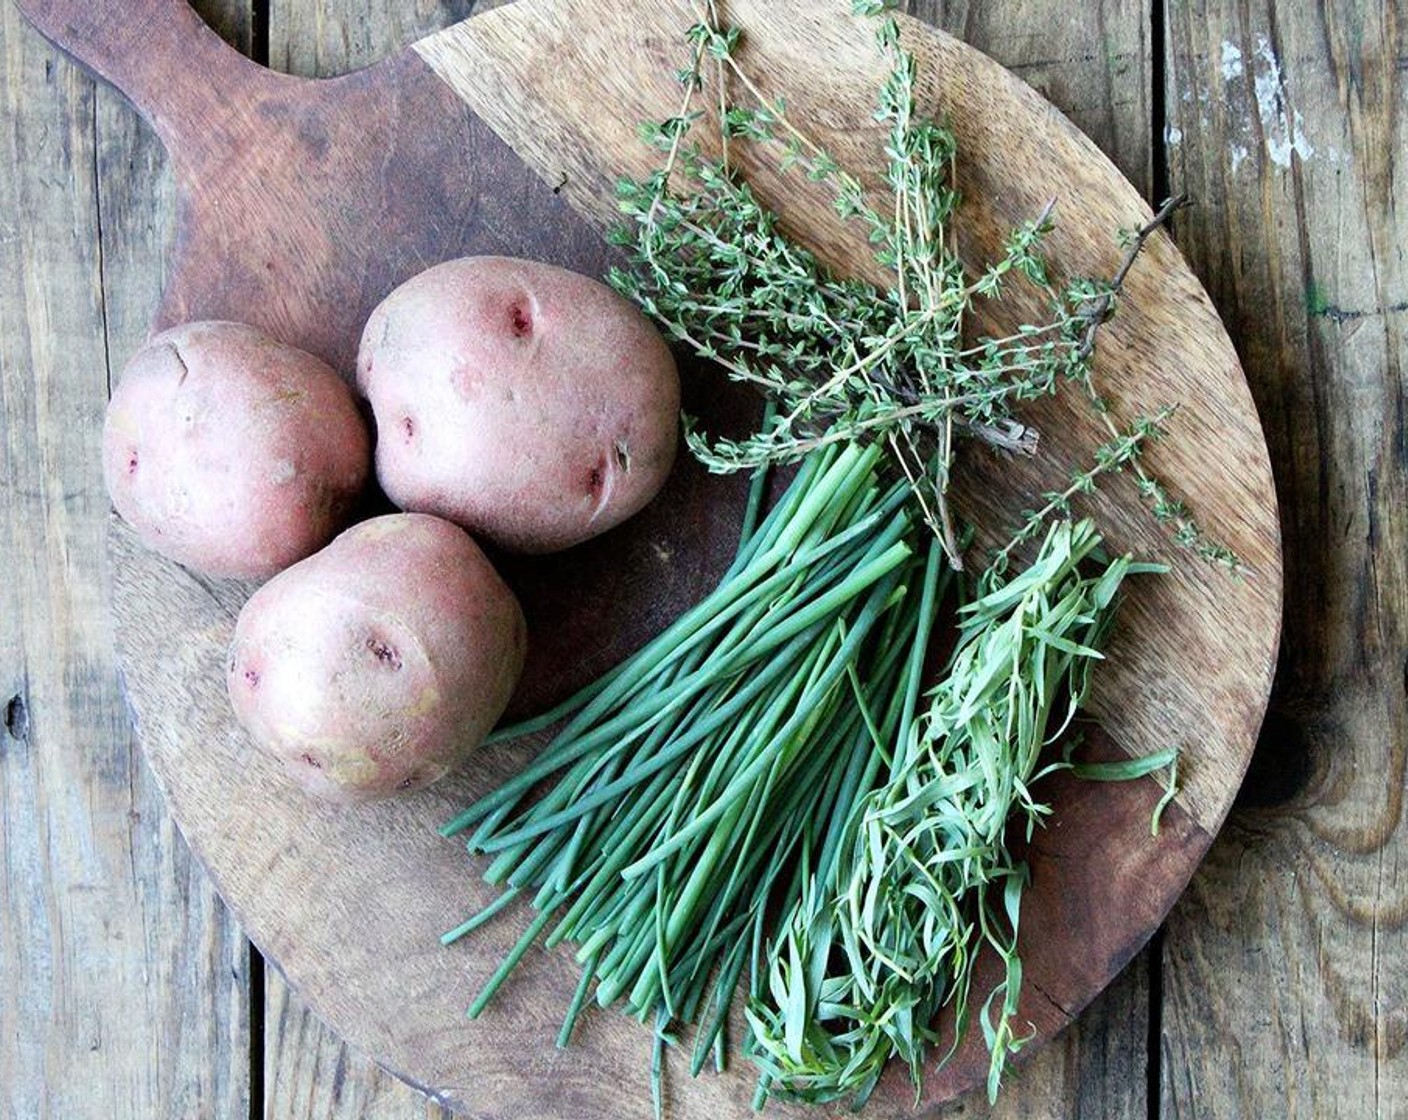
[(888, 934)]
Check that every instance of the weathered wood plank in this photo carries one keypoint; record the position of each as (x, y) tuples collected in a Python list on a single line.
[(311, 1074), (121, 977), (1094, 1070), (203, 1002), (320, 38), (1093, 61), (1286, 991)]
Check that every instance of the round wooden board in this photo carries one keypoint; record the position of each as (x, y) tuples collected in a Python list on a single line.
[(294, 217)]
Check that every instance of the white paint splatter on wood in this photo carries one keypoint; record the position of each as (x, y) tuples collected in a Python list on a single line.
[(1282, 127), (1281, 123), (1231, 61)]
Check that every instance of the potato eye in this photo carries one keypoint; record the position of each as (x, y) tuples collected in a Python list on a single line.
[(522, 321), (384, 652)]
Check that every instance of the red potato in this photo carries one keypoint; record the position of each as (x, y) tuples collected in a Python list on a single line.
[(380, 663), (231, 452), (527, 403)]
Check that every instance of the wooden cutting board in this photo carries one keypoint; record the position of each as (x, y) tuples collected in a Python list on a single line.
[(302, 203)]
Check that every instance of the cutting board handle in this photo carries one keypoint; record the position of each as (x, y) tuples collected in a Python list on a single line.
[(160, 53)]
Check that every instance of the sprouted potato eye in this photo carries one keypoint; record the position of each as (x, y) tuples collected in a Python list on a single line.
[(529, 404), (377, 665)]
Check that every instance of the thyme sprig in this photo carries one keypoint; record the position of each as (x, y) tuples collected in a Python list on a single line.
[(1167, 510), (1120, 451)]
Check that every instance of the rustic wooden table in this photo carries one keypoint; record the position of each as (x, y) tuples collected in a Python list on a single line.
[(1276, 988)]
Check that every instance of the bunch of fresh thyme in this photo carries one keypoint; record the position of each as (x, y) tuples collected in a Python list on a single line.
[(843, 359)]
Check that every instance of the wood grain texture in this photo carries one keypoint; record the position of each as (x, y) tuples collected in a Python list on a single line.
[(1287, 994), (1093, 1070), (1093, 61), (310, 1073), (122, 976), (327, 38)]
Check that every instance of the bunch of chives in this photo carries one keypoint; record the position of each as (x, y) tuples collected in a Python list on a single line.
[(690, 793)]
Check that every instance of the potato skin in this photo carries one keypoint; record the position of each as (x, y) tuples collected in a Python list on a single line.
[(231, 452), (378, 664), (530, 404)]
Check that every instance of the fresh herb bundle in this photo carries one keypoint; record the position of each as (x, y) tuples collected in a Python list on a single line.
[(843, 359), (889, 933), (692, 788), (763, 798)]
